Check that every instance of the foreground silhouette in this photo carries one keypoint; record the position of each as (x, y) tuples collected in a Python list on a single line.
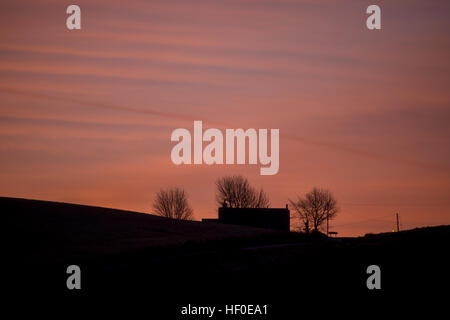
[(129, 254)]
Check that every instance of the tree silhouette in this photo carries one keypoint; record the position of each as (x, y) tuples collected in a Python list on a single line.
[(303, 211), (173, 203), (236, 192), (315, 208)]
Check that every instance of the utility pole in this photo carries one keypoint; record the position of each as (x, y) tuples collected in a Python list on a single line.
[(398, 228), (327, 225)]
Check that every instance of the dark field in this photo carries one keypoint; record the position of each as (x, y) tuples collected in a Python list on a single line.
[(172, 263)]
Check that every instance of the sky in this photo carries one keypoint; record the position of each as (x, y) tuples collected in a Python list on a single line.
[(86, 115)]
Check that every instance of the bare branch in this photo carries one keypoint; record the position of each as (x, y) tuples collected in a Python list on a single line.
[(172, 203), (314, 209), (237, 192)]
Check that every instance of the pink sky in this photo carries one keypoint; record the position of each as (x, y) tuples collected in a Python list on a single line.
[(86, 116)]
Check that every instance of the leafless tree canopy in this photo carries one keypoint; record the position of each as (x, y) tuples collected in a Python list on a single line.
[(237, 192), (314, 208), (172, 203)]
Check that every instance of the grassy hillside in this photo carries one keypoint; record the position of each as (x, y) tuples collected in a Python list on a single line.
[(47, 232), (127, 254)]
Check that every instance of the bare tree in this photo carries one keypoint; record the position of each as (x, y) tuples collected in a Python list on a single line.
[(303, 211), (315, 208), (173, 203), (236, 192)]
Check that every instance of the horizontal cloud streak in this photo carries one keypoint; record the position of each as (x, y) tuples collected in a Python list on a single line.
[(190, 118)]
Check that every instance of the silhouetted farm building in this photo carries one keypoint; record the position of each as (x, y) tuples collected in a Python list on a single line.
[(269, 218)]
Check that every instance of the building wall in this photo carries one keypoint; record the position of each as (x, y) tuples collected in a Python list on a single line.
[(269, 218)]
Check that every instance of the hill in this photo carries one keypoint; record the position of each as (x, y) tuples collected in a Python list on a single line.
[(48, 232), (129, 254)]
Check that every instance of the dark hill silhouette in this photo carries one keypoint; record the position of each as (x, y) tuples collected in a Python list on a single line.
[(173, 263), (56, 231)]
